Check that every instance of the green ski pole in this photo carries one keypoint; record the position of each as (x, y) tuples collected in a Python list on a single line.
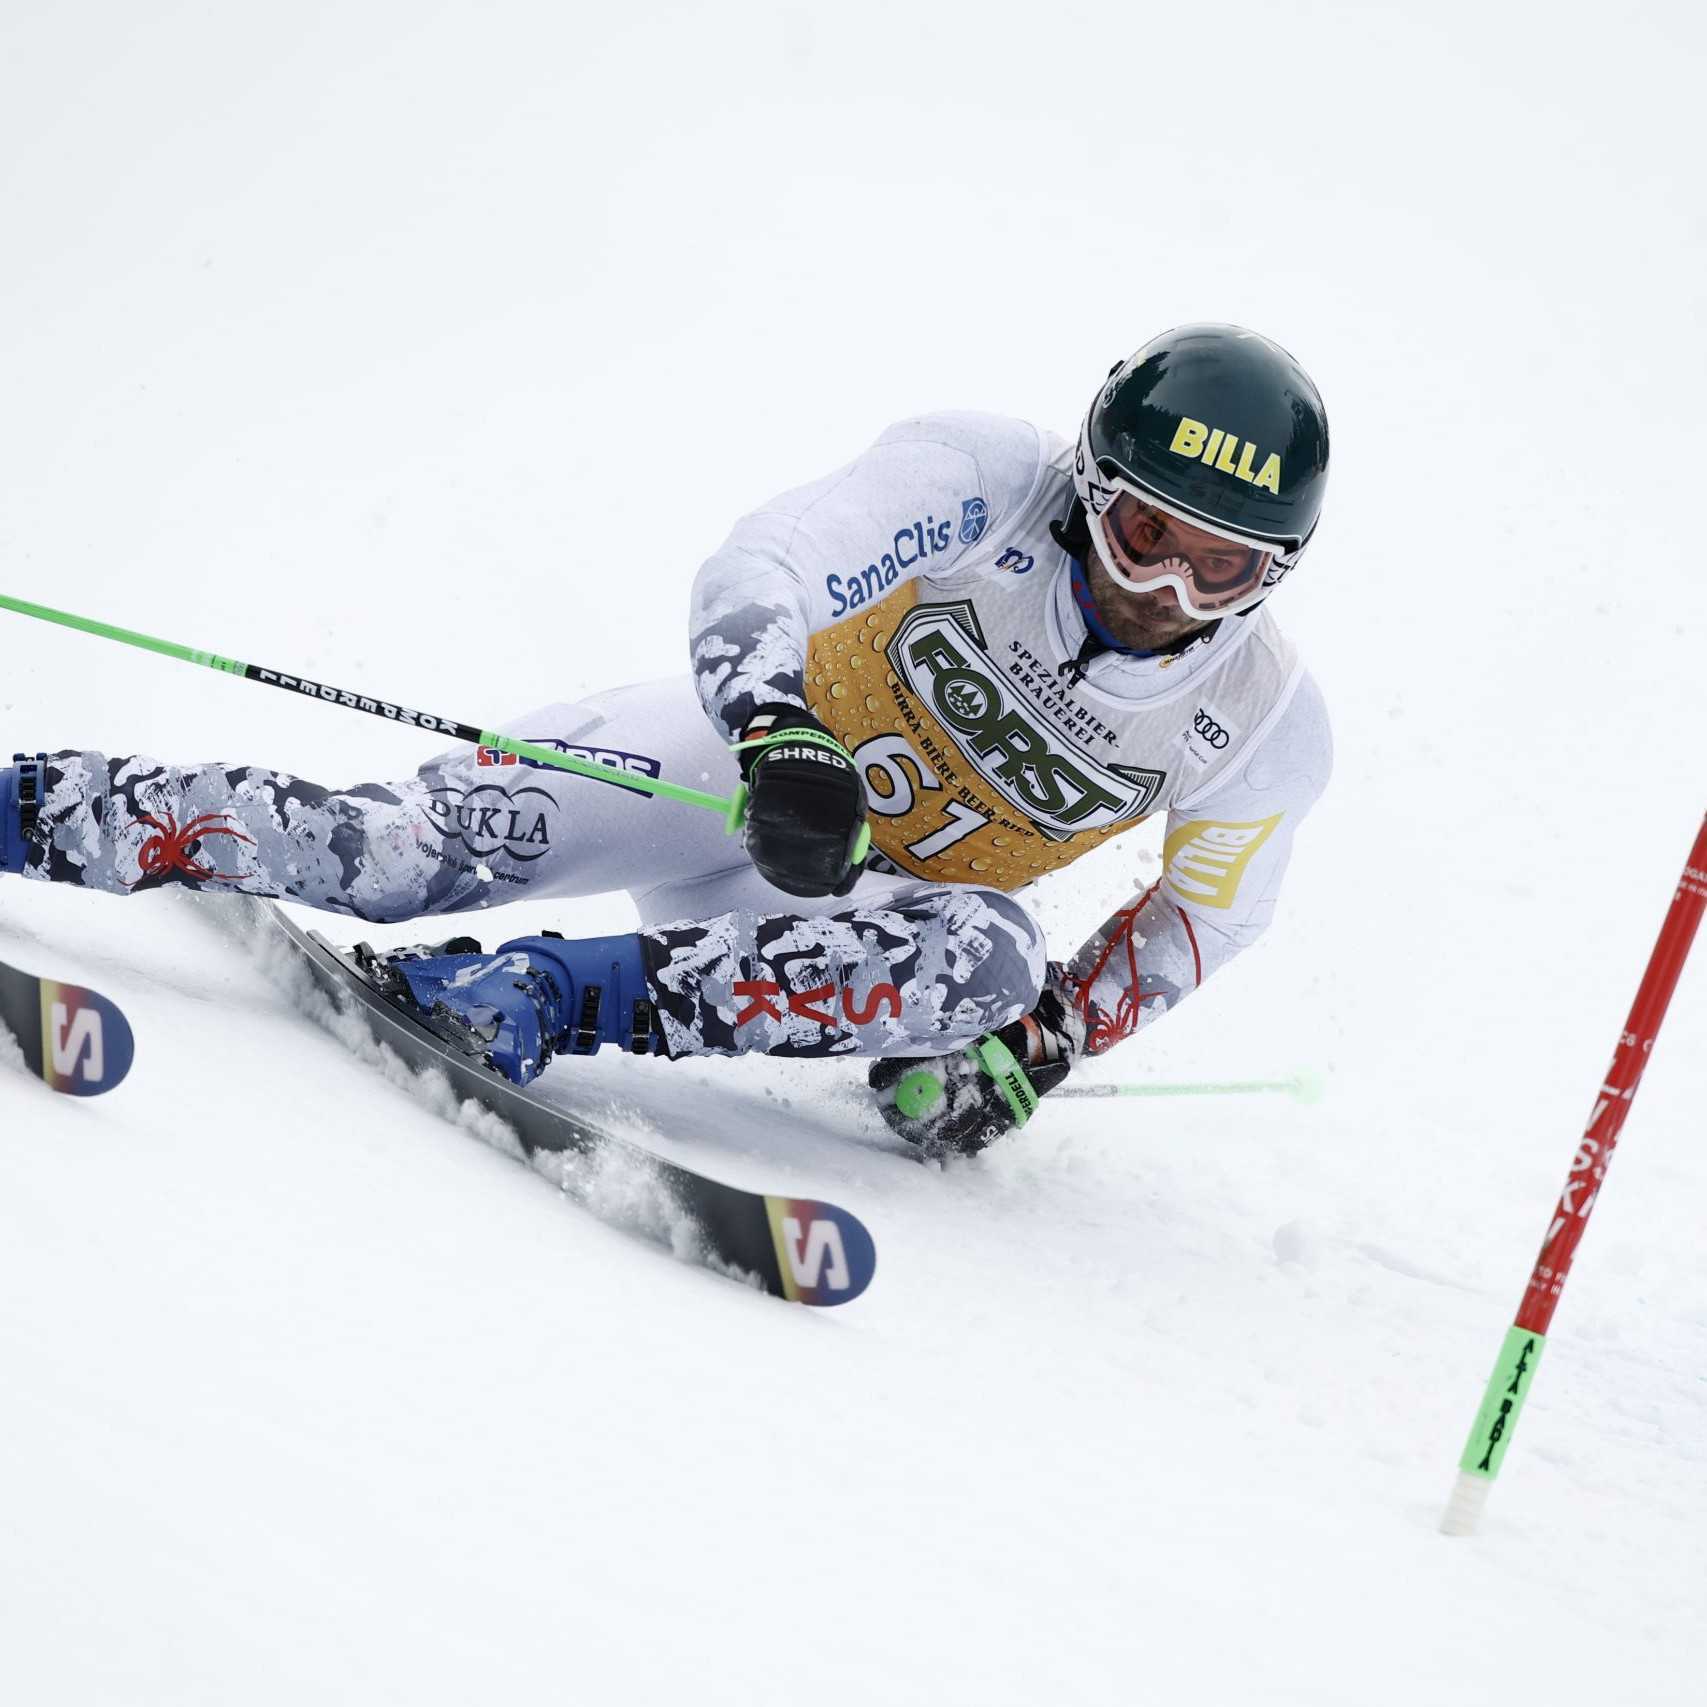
[(457, 730), (1306, 1087)]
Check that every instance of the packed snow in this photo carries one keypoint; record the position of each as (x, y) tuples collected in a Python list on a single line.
[(430, 349)]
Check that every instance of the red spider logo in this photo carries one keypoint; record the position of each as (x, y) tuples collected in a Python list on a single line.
[(169, 848), (1102, 1029)]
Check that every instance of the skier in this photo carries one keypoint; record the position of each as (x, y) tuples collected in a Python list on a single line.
[(936, 675)]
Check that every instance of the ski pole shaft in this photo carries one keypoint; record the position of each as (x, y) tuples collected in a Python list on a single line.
[(1304, 1087), (388, 709), (1514, 1372)]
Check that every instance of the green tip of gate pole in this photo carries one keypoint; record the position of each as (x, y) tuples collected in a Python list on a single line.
[(1496, 1421)]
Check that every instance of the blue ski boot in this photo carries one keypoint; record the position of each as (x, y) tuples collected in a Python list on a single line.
[(535, 997)]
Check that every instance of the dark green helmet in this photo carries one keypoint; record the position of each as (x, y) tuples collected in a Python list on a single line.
[(1220, 424)]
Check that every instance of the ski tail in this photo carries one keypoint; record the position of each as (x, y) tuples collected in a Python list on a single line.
[(73, 1039), (824, 1255)]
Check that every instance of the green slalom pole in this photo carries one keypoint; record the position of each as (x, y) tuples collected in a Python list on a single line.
[(1305, 1087), (730, 810)]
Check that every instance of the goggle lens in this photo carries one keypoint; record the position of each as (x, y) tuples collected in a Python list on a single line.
[(1147, 545)]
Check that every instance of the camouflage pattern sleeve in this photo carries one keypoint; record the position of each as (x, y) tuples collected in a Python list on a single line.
[(915, 503), (1223, 859), (432, 844)]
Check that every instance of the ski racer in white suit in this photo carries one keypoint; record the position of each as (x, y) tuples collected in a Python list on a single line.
[(946, 670)]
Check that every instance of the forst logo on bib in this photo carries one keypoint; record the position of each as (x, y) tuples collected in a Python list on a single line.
[(938, 652)]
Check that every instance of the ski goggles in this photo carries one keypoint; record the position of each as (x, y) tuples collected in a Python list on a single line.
[(1145, 544)]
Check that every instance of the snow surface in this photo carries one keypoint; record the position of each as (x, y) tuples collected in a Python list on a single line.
[(429, 348)]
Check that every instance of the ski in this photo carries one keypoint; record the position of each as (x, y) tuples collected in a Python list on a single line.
[(72, 1039), (795, 1248)]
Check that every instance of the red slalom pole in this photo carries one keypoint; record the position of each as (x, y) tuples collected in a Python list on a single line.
[(1514, 1373)]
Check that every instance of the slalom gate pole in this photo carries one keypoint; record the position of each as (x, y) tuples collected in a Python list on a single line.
[(1514, 1373), (1306, 1087), (728, 810)]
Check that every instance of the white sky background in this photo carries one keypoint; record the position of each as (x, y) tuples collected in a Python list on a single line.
[(430, 348)]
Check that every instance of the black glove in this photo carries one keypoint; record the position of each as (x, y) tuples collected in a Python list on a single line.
[(805, 804), (960, 1103)]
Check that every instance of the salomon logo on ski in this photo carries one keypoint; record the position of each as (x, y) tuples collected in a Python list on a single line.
[(74, 1040)]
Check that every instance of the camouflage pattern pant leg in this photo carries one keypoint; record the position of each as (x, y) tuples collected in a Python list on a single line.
[(930, 969), (899, 967)]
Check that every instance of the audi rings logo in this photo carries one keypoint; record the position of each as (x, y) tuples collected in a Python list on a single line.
[(1209, 729)]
